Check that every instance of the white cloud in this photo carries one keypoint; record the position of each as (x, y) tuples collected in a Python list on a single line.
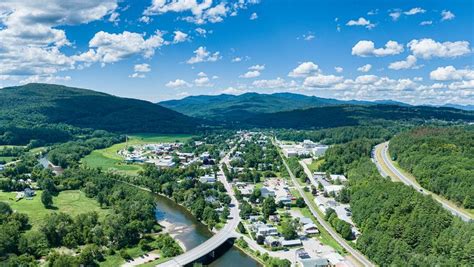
[(320, 80), (447, 15), (236, 59), (31, 37), (429, 48), (361, 22), (145, 19), (254, 16), (414, 11), (307, 36), (257, 67), (409, 63), (274, 84), (112, 47), (201, 12), (233, 91), (202, 74), (451, 73), (339, 69), (202, 81), (367, 48), (180, 37), (137, 75), (114, 17), (142, 68), (365, 68), (202, 55), (304, 69), (178, 83), (250, 74), (395, 15), (426, 22), (202, 32)]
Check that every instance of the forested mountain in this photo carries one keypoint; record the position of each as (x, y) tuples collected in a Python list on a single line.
[(234, 107), (441, 159), (347, 115), (33, 104)]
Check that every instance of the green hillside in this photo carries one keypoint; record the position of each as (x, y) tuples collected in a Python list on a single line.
[(34, 104)]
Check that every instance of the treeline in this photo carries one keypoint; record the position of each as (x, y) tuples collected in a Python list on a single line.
[(441, 159), (35, 135), (70, 153), (399, 225), (340, 134)]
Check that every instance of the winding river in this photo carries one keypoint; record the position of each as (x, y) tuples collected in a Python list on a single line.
[(191, 233)]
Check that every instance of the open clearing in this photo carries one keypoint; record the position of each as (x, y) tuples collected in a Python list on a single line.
[(108, 159), (72, 202)]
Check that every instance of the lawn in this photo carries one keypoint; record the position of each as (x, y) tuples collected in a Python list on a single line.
[(108, 159), (314, 166), (72, 202), (7, 159)]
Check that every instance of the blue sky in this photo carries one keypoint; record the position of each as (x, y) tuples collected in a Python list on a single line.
[(419, 52)]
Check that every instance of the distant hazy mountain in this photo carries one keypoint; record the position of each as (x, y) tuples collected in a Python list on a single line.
[(463, 107), (236, 107), (47, 103)]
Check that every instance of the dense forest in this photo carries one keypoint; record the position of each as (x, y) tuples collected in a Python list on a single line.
[(35, 104), (399, 225), (441, 159)]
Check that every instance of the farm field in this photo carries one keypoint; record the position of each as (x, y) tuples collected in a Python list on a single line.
[(72, 202), (108, 159)]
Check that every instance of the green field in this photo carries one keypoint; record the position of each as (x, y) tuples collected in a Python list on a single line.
[(72, 202), (314, 166), (108, 159)]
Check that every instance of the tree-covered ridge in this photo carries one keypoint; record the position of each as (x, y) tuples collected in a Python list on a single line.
[(399, 225), (441, 159), (351, 115), (34, 104)]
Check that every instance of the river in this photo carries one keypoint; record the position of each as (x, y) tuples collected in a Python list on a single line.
[(192, 233)]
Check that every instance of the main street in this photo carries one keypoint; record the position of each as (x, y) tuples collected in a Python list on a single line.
[(355, 253), (386, 167)]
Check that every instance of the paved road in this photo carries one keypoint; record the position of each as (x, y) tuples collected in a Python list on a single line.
[(228, 231), (382, 159), (355, 253)]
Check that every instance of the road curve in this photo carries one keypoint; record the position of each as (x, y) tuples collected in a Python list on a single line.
[(393, 171), (355, 253)]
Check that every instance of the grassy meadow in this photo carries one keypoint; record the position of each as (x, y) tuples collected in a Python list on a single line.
[(108, 159)]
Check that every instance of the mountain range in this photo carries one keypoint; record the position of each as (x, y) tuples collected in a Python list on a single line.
[(34, 104)]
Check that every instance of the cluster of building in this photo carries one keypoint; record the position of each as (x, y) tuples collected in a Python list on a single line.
[(278, 189), (307, 148), (163, 155)]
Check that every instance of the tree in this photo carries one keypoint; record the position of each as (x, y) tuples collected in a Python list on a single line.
[(5, 209), (34, 243), (47, 199), (288, 230), (300, 202), (225, 214), (260, 239), (269, 207)]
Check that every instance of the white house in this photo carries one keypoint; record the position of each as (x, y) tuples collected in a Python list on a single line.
[(207, 179)]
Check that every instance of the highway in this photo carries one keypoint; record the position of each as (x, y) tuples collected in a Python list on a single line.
[(355, 253), (228, 231), (385, 165)]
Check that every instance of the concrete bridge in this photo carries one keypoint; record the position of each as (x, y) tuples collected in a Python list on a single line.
[(226, 233)]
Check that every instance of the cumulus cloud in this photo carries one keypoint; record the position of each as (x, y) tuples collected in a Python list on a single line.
[(274, 84), (236, 59), (254, 16), (180, 37), (426, 22), (361, 22), (201, 12), (451, 73), (112, 47), (339, 69), (395, 15), (367, 48), (414, 11), (304, 69), (250, 74), (447, 15), (31, 40), (321, 80), (257, 67), (408, 63), (202, 55), (202, 81), (178, 83), (140, 70), (365, 68), (429, 48)]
